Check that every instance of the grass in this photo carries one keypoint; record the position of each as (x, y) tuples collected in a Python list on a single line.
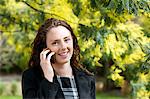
[(98, 96), (108, 96), (10, 97)]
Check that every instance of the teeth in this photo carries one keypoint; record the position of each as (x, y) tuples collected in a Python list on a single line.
[(63, 54)]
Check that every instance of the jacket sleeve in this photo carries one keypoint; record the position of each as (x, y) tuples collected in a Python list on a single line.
[(46, 90), (93, 90)]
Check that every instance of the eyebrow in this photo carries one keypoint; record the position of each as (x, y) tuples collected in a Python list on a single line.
[(59, 39)]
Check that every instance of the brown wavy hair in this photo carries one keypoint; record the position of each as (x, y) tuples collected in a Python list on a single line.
[(39, 42)]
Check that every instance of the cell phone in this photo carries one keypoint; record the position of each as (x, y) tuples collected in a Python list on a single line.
[(53, 59)]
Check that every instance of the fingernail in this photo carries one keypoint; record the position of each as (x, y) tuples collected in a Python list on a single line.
[(46, 49), (53, 52)]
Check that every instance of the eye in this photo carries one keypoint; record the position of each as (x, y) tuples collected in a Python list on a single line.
[(55, 43), (67, 39)]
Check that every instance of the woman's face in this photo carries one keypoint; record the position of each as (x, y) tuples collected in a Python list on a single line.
[(59, 40)]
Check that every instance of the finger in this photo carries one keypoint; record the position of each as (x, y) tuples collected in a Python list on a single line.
[(41, 55), (50, 55), (45, 49), (44, 53)]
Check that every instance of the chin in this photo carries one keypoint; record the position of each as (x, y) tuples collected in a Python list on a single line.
[(62, 61)]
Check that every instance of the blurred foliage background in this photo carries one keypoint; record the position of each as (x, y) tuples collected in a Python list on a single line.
[(114, 36)]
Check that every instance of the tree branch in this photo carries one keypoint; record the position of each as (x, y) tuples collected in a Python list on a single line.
[(52, 14)]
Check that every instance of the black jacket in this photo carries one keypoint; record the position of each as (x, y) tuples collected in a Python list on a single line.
[(35, 86)]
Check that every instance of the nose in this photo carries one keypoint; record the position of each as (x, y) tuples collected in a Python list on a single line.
[(63, 45)]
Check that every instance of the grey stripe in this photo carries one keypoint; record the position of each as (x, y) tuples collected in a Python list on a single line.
[(69, 89), (69, 93), (59, 80), (73, 86)]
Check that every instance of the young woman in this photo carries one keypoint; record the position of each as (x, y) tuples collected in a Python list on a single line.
[(54, 71)]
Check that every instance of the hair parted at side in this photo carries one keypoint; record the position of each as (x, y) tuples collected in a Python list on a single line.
[(39, 42)]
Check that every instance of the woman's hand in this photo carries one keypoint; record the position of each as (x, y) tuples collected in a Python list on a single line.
[(46, 64)]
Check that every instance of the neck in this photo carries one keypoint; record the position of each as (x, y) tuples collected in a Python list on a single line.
[(63, 70)]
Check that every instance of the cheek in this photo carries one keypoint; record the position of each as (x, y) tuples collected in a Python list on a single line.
[(71, 50), (53, 49), (71, 44), (72, 47)]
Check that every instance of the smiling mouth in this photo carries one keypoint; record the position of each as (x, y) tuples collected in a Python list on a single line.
[(63, 54)]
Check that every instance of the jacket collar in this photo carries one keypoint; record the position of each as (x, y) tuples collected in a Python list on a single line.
[(81, 82)]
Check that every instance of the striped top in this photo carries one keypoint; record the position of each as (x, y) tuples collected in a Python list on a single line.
[(68, 87)]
